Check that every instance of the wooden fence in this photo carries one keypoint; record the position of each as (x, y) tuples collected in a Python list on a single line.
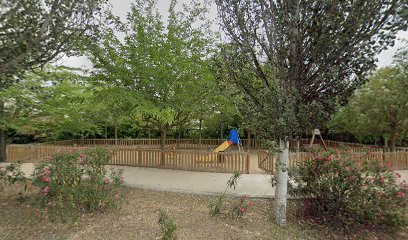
[(139, 157), (151, 143), (398, 160)]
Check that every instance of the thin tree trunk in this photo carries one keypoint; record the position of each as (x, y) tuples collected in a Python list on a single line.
[(163, 134), (282, 183), (3, 138), (116, 134), (393, 141), (248, 139), (222, 130), (199, 131), (106, 131), (3, 145)]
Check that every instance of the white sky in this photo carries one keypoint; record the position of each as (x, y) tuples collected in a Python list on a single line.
[(121, 7)]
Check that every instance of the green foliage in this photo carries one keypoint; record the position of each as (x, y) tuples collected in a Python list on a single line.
[(167, 226), (343, 191), (78, 181), (293, 61), (49, 104), (165, 65), (35, 32), (12, 174), (379, 108)]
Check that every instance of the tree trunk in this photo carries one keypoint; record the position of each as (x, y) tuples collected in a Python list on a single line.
[(116, 134), (106, 131), (393, 141), (281, 183), (3, 145), (163, 134), (3, 138), (222, 130), (199, 131), (248, 139)]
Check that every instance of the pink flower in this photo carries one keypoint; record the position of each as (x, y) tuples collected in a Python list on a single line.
[(46, 210), (46, 190), (250, 203), (400, 194), (117, 197), (47, 171), (242, 210), (46, 179), (82, 156), (382, 179), (106, 180), (389, 164), (244, 196), (50, 158), (330, 157), (398, 175)]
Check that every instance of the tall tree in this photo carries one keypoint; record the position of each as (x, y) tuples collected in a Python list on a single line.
[(295, 59), (166, 64), (35, 32), (379, 108)]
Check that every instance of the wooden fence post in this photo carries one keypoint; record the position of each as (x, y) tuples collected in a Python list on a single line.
[(248, 160)]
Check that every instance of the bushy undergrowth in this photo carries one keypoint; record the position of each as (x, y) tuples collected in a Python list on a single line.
[(167, 226), (78, 181), (340, 190)]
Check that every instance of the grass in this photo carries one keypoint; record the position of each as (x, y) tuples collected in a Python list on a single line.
[(21, 219)]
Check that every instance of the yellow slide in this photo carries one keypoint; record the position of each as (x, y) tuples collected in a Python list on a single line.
[(222, 147)]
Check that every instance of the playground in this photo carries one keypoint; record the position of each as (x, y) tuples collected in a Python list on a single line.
[(247, 156)]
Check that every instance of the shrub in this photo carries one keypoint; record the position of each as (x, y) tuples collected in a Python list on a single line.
[(342, 190), (78, 180), (12, 174), (167, 226), (217, 205), (238, 210)]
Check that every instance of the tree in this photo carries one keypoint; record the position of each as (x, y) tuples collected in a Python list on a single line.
[(295, 59), (49, 105), (166, 66), (379, 108), (33, 33)]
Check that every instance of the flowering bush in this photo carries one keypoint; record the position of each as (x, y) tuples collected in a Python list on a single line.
[(217, 205), (77, 180), (241, 207), (340, 189)]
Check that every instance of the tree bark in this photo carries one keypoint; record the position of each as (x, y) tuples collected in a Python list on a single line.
[(281, 189), (3, 145), (248, 139), (3, 138), (163, 135), (116, 134), (393, 141), (199, 131)]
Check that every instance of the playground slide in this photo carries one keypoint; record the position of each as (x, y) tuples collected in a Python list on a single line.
[(222, 147)]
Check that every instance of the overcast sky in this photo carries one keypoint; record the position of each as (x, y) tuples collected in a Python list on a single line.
[(121, 7)]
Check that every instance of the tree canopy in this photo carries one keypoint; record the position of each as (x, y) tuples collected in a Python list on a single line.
[(295, 60), (379, 108), (166, 64)]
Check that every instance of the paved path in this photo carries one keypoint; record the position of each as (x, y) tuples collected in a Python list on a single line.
[(252, 185)]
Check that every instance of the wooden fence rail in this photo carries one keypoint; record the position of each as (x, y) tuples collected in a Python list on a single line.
[(295, 145), (398, 160), (138, 157)]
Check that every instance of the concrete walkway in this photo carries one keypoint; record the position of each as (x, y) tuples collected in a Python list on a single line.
[(252, 185)]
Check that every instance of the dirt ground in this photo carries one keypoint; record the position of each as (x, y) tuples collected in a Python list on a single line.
[(137, 219)]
